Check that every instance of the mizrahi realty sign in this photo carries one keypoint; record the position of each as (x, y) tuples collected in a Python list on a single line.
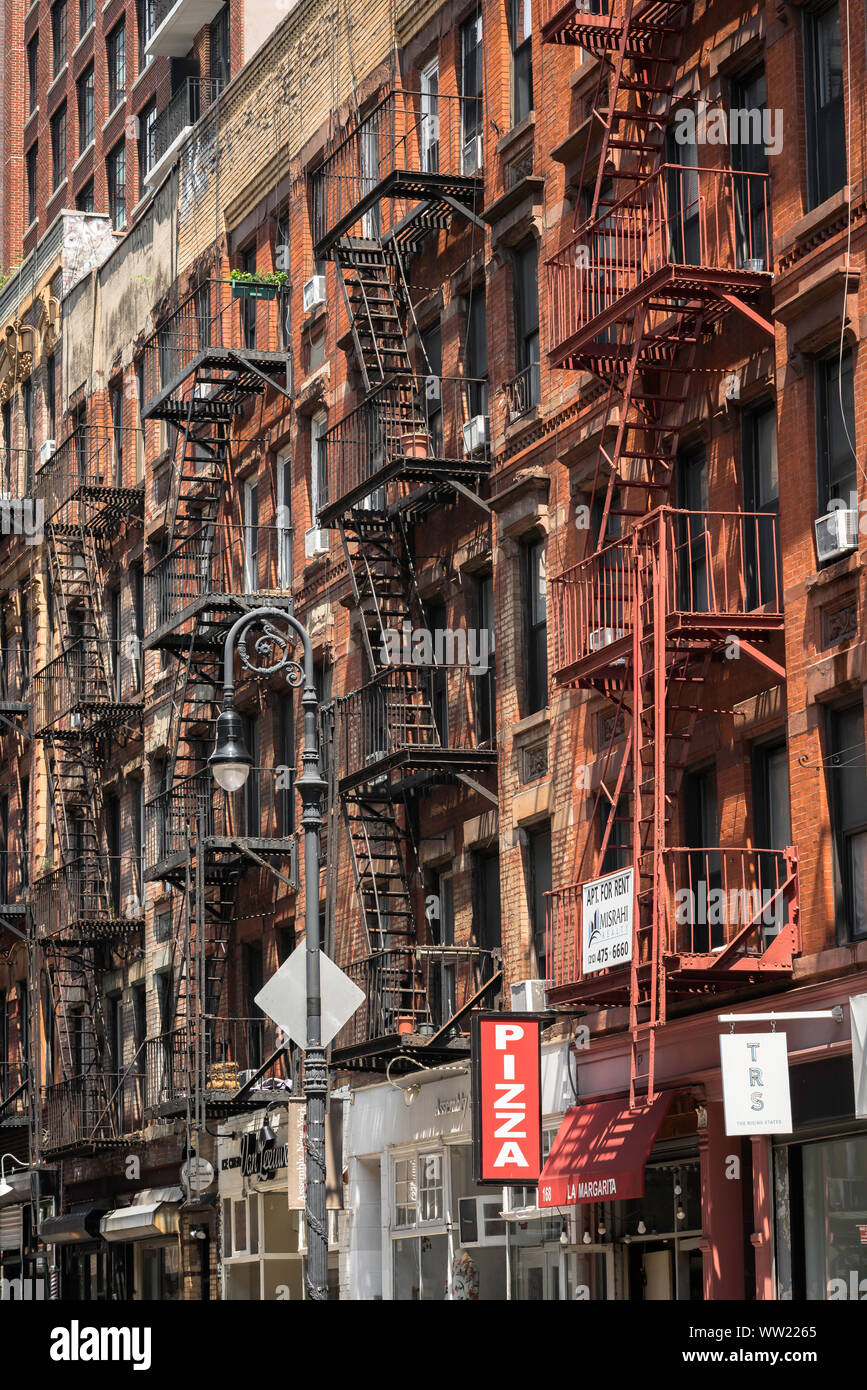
[(606, 921)]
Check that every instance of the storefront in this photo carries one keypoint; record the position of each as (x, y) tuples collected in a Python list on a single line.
[(261, 1196), (143, 1241), (85, 1271)]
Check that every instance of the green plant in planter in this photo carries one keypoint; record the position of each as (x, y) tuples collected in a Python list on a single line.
[(264, 285)]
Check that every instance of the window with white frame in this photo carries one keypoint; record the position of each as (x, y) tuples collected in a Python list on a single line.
[(419, 1194)]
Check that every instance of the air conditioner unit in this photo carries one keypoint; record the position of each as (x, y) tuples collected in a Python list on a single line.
[(316, 542), (245, 1076), (603, 637), (529, 997), (47, 451), (476, 434), (313, 294), (481, 1221), (472, 155), (432, 389), (836, 533), (376, 757)]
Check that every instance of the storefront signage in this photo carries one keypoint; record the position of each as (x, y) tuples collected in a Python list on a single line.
[(507, 1098), (254, 1161), (755, 1078), (858, 1024), (606, 921)]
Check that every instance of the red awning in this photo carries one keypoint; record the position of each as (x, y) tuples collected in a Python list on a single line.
[(600, 1152)]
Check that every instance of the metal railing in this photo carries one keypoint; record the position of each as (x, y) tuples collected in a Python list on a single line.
[(575, 11), (220, 560), (13, 1076), (14, 870), (95, 1108), (224, 1048), (209, 317), (92, 890), (197, 806), (717, 564), (94, 458), (711, 898), (17, 468), (523, 392), (15, 676), (679, 216), (185, 108), (412, 418), (414, 989), (406, 132)]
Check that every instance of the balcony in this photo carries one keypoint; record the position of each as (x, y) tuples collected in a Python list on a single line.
[(176, 24), (719, 574), (225, 1049), (217, 571), (90, 898), (16, 474), (417, 719), (174, 123), (595, 26), (417, 998), (14, 1094), (681, 236), (15, 680), (195, 810), (413, 429), (412, 148), (84, 691), (236, 343), (94, 1111), (729, 917), (523, 393), (90, 468)]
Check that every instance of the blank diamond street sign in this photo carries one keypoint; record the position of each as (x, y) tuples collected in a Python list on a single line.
[(284, 997)]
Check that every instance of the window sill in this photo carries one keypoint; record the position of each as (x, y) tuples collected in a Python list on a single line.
[(88, 150), (54, 81), (119, 107), (88, 34), (516, 134), (55, 193), (838, 569), (145, 72)]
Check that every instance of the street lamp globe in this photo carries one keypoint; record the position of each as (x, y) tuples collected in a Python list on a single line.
[(230, 761)]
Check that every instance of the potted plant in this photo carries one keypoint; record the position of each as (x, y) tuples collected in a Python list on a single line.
[(416, 443), (249, 285), (404, 1025)]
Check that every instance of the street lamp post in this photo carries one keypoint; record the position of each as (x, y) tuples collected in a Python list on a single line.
[(230, 764)]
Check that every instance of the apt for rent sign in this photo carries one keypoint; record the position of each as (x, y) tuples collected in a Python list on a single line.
[(507, 1098), (606, 921)]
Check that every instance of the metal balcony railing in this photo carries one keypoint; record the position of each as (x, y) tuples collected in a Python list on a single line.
[(96, 461), (689, 221), (209, 320), (197, 806), (220, 562), (15, 676), (17, 467), (414, 990), (99, 894), (14, 1095), (415, 422), (226, 1048), (185, 108), (13, 877), (718, 567), (714, 899), (94, 1109), (410, 144), (523, 392)]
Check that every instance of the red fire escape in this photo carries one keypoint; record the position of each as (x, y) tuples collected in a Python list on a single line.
[(663, 595)]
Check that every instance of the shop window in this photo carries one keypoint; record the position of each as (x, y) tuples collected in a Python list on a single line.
[(418, 1190), (823, 88)]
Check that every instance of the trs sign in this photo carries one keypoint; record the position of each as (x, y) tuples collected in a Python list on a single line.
[(755, 1081), (606, 921), (507, 1098)]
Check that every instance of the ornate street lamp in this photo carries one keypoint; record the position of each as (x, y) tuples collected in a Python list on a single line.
[(230, 763)]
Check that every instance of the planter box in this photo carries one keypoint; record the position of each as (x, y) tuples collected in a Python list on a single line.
[(253, 289)]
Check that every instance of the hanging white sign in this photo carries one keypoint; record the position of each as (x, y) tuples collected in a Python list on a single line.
[(606, 921), (858, 1024), (755, 1080)]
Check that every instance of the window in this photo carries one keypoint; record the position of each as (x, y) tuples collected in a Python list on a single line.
[(247, 304), (439, 686), (31, 184), (137, 578), (27, 424), (58, 148), (84, 200), (283, 261), (442, 979), (51, 394), (536, 617), (85, 16), (146, 23), (521, 38), (220, 47), (58, 36), (33, 74), (539, 857), (471, 93), (476, 353), (823, 86), (693, 537), (701, 835), (137, 804), (253, 978), (429, 138), (116, 171), (432, 358), (252, 804), (284, 751), (418, 1190), (146, 144), (485, 683), (761, 494), (750, 157), (527, 324), (847, 778), (838, 477), (251, 537), (617, 854), (116, 404), (684, 220), (318, 485), (771, 821), (486, 901), (116, 53), (85, 110), (284, 521)]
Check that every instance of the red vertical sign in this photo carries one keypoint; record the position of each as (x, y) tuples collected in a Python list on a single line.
[(507, 1098)]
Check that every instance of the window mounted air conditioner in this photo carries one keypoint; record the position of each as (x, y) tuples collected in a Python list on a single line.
[(480, 1221), (476, 434), (836, 533), (603, 637), (529, 997), (432, 389), (472, 155), (313, 293), (315, 542), (47, 451)]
